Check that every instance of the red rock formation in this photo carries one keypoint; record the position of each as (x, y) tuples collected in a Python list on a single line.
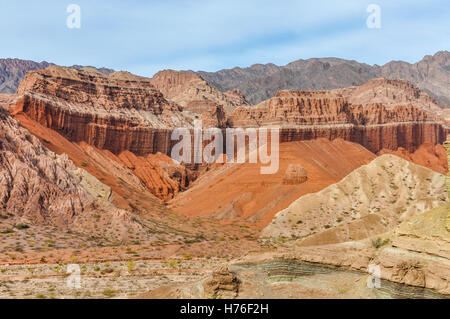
[(234, 192), (236, 97), (6, 100), (126, 171), (122, 112), (119, 93), (116, 112), (295, 174), (39, 188), (32, 185), (391, 136), (323, 108), (389, 92), (310, 115), (210, 113), (185, 87)]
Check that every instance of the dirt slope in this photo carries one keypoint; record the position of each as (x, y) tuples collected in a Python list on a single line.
[(240, 192)]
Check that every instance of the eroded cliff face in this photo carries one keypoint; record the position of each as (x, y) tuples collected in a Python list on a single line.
[(119, 93), (122, 116), (336, 114), (198, 99), (184, 88), (126, 173), (122, 112), (260, 82), (375, 138), (389, 93), (40, 188), (210, 113)]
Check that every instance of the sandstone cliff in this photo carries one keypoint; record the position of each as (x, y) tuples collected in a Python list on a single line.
[(116, 112), (130, 176), (412, 258), (427, 155), (197, 97), (123, 112)]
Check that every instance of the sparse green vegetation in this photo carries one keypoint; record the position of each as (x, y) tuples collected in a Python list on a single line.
[(22, 226), (379, 242)]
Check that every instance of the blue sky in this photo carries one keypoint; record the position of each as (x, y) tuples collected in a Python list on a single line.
[(144, 37)]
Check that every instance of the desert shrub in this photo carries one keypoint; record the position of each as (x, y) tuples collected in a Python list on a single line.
[(187, 256), (109, 292), (379, 242), (131, 265)]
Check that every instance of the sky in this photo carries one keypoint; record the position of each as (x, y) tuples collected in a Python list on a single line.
[(144, 37)]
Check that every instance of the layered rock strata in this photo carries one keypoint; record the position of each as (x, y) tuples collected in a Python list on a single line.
[(295, 174)]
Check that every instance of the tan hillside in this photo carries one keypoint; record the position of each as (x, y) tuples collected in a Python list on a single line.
[(371, 200), (185, 88)]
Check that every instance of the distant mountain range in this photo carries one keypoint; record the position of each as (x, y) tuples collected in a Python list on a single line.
[(12, 71), (260, 82)]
